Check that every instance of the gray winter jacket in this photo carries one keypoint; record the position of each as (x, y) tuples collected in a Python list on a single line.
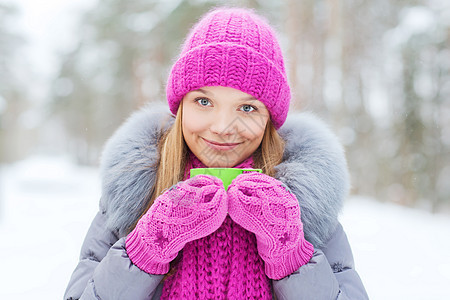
[(313, 167)]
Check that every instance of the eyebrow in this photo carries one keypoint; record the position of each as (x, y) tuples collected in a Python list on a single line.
[(211, 94), (203, 91)]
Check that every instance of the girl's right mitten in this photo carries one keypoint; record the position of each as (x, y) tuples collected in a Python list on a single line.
[(190, 210)]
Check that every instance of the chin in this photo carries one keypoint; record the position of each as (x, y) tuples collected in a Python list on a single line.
[(220, 163)]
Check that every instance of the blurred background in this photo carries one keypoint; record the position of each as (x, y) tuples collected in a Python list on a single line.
[(378, 72)]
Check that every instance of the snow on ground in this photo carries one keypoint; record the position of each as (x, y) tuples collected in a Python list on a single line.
[(47, 204), (400, 253)]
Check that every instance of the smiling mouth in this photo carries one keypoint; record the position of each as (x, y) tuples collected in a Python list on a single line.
[(220, 146)]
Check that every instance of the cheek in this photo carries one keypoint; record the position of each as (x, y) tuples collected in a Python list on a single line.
[(254, 131), (192, 123)]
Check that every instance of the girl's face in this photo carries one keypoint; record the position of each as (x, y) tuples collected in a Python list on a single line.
[(222, 126)]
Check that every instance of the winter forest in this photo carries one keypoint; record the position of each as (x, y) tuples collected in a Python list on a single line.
[(377, 71)]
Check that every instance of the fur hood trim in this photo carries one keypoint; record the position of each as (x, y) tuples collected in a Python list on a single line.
[(313, 167)]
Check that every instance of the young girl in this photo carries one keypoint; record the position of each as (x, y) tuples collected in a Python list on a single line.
[(160, 234)]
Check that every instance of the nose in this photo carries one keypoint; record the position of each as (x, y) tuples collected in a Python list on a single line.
[(224, 124)]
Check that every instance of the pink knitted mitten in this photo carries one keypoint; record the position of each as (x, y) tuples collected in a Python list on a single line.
[(190, 210), (263, 205)]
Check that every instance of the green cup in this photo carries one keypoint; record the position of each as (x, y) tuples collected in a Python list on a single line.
[(225, 174)]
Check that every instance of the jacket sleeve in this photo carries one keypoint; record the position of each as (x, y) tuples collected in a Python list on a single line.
[(330, 274), (105, 271)]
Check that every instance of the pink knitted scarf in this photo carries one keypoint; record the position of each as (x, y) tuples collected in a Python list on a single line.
[(223, 265)]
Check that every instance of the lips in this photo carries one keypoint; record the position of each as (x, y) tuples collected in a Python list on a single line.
[(220, 146)]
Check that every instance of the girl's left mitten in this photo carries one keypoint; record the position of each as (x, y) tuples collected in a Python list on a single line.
[(190, 210), (265, 206)]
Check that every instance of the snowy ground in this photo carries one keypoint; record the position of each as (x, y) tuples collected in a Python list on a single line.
[(46, 205)]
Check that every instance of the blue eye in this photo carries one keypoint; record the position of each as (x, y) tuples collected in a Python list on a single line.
[(247, 108), (202, 101)]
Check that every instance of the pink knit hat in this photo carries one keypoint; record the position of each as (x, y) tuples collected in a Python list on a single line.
[(236, 48)]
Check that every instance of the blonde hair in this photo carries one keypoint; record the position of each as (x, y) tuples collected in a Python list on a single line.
[(173, 156)]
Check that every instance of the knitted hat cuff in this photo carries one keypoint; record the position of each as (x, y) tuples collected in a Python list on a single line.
[(230, 65)]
